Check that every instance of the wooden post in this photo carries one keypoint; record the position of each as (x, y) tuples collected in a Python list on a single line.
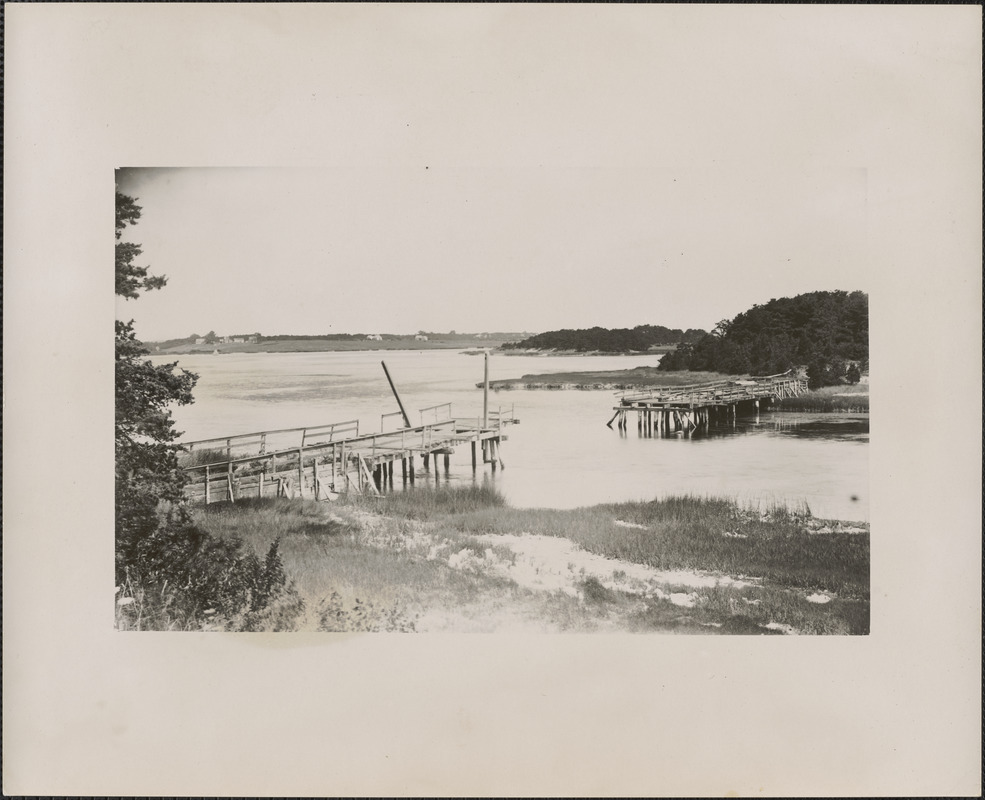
[(411, 468), (492, 453), (485, 391), (394, 389), (207, 487), (427, 461), (447, 462), (473, 455), (260, 484), (345, 472), (301, 472), (229, 481), (403, 468)]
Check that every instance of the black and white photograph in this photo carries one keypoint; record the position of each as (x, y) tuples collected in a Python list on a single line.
[(307, 388), (492, 399)]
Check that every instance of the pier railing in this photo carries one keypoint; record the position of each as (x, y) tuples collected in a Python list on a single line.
[(327, 458), (259, 441)]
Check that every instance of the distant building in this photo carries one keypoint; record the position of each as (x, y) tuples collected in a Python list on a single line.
[(421, 337), (375, 337), (200, 340)]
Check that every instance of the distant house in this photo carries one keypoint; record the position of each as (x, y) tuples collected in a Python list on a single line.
[(375, 337), (200, 340), (421, 337)]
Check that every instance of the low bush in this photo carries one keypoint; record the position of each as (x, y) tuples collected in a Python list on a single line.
[(184, 578)]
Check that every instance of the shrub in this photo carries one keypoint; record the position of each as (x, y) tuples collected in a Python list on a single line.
[(185, 578)]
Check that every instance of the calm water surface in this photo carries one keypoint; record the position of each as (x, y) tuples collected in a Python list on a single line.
[(562, 455)]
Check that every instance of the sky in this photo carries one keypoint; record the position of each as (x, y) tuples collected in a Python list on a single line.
[(565, 171)]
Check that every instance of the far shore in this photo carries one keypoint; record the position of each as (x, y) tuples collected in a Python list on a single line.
[(470, 345)]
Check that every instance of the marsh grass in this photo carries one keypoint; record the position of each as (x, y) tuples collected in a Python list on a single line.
[(201, 457), (366, 563), (426, 502), (849, 399)]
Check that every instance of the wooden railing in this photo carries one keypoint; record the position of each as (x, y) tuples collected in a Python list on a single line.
[(333, 431)]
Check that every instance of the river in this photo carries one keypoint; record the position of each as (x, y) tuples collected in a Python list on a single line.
[(561, 455)]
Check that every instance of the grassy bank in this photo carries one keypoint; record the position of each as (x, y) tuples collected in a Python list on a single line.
[(849, 399), (460, 559)]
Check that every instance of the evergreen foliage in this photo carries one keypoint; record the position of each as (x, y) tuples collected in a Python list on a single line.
[(170, 573), (826, 332), (616, 340)]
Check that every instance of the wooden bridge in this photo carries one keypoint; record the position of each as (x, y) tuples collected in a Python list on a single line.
[(326, 460), (680, 409)]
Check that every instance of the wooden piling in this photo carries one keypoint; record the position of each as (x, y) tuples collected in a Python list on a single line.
[(301, 472)]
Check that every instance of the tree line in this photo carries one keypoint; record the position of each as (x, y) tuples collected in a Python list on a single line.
[(607, 340), (825, 332)]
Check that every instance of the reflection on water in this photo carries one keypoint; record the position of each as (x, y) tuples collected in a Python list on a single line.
[(562, 455)]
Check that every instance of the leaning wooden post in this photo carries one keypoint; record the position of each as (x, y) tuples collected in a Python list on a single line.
[(394, 389), (229, 481)]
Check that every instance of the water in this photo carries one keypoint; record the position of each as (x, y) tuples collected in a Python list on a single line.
[(561, 455)]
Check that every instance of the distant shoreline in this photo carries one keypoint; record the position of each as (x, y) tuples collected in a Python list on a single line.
[(467, 345)]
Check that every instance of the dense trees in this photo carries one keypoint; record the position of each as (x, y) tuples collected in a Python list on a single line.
[(618, 340), (826, 332)]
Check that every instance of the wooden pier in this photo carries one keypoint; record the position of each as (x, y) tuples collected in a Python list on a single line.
[(682, 409), (323, 461)]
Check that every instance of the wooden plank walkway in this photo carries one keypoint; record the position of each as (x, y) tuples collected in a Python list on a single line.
[(672, 409), (320, 462)]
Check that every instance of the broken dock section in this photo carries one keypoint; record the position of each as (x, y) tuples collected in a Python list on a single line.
[(681, 409)]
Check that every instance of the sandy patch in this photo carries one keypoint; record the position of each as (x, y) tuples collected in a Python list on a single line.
[(550, 563)]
